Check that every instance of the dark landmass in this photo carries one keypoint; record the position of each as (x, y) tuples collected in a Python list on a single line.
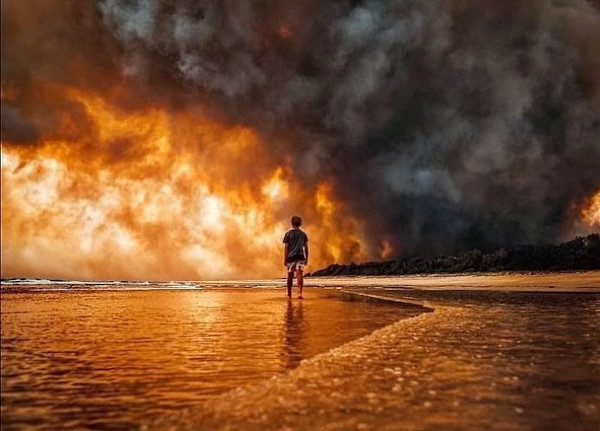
[(582, 253)]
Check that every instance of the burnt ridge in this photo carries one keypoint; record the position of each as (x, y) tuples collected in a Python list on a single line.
[(582, 253)]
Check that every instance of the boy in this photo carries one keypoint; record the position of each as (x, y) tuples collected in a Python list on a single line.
[(295, 256)]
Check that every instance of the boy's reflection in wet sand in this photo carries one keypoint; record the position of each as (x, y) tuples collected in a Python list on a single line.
[(292, 337)]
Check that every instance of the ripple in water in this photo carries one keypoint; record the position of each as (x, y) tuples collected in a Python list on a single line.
[(115, 359)]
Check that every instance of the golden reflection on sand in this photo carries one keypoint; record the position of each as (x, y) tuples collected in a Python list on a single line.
[(115, 358)]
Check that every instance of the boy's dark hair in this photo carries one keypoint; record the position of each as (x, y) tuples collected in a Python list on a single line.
[(296, 221)]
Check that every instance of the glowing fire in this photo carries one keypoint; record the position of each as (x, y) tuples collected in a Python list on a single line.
[(591, 214), (276, 188), (284, 32), (157, 195)]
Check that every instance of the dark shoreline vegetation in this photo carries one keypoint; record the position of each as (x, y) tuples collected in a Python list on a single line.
[(582, 253)]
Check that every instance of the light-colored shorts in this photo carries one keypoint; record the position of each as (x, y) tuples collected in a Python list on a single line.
[(297, 265)]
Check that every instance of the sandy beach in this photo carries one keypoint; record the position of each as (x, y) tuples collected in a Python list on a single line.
[(509, 354), (588, 281), (469, 351), (584, 281)]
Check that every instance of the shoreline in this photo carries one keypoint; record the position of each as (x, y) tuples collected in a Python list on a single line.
[(585, 281), (244, 407), (538, 282), (452, 367)]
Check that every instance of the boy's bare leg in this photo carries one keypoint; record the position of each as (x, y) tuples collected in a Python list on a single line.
[(300, 283), (290, 280)]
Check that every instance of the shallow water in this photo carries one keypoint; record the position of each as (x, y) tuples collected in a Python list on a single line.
[(114, 359), (481, 360)]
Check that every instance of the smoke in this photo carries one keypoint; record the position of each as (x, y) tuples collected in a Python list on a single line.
[(448, 124), (440, 125), (16, 127)]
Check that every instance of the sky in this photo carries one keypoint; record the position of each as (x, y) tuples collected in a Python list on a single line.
[(161, 140)]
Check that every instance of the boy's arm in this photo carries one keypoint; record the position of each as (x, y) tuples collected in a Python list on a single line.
[(306, 252), (285, 251)]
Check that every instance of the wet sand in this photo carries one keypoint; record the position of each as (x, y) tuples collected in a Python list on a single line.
[(504, 358), (588, 281)]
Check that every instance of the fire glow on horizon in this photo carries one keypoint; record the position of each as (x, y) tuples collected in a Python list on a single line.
[(178, 211), (174, 140), (159, 197), (591, 213)]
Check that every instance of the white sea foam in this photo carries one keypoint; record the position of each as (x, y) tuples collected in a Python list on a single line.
[(74, 285)]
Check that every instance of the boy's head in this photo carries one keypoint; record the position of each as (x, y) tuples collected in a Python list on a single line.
[(296, 221)]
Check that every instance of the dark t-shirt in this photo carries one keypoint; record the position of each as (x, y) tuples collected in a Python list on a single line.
[(295, 239)]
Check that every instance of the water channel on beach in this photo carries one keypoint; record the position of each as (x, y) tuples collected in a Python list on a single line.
[(117, 357)]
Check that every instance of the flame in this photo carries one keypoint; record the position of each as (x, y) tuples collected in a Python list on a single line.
[(387, 250), (591, 213), (276, 188), (151, 194), (339, 248), (284, 32)]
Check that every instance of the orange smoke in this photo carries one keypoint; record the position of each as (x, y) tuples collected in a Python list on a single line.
[(591, 213), (157, 195)]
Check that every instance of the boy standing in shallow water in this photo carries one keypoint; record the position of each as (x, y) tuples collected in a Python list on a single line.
[(295, 256)]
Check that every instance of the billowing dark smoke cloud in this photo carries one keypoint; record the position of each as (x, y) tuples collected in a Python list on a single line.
[(444, 124), (447, 124), (16, 127)]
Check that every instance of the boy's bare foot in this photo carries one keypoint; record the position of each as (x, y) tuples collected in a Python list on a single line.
[(300, 297)]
